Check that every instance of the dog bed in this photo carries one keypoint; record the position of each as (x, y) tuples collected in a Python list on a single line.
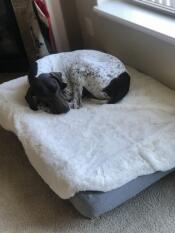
[(98, 147), (93, 204)]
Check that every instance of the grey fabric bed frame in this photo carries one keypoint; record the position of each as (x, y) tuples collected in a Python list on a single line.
[(93, 204)]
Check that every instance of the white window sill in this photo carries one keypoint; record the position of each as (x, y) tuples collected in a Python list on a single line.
[(157, 24)]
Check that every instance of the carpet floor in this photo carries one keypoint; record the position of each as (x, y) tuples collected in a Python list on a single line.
[(27, 205)]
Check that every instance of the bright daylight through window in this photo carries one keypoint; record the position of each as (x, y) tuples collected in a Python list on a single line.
[(167, 5)]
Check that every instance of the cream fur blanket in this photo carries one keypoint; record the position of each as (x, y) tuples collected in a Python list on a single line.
[(98, 147)]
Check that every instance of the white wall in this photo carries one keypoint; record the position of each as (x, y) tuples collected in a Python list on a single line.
[(72, 24), (146, 53), (58, 25)]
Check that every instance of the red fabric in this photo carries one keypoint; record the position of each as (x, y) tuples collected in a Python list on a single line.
[(43, 8)]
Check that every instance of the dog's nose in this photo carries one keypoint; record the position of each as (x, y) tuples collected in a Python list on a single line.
[(61, 110), (67, 109)]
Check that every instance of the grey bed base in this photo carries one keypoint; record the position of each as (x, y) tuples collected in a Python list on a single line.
[(92, 203)]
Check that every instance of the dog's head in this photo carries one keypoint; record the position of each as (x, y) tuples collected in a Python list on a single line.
[(47, 89)]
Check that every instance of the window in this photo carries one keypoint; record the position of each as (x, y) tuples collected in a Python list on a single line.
[(124, 12), (164, 5)]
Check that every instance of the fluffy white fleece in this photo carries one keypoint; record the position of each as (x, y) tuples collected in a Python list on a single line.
[(98, 147)]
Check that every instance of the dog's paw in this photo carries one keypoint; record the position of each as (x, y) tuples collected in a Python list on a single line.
[(75, 105), (44, 108)]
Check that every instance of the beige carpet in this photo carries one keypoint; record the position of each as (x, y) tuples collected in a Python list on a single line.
[(28, 205)]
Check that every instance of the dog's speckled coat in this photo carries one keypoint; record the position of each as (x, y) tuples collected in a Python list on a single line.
[(91, 69)]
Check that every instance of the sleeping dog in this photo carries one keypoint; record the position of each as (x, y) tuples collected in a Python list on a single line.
[(58, 81)]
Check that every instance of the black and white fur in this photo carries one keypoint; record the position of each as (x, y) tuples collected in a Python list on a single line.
[(102, 75)]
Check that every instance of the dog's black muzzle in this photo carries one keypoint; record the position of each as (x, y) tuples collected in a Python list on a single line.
[(55, 103)]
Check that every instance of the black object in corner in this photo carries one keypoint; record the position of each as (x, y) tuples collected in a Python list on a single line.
[(12, 53)]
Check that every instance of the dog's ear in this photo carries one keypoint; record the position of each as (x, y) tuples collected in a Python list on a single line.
[(31, 99), (33, 69), (58, 77)]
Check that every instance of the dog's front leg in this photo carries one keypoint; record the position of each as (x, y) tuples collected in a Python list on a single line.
[(76, 81), (76, 102)]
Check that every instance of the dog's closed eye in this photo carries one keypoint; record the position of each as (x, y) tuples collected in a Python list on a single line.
[(45, 87), (52, 86)]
